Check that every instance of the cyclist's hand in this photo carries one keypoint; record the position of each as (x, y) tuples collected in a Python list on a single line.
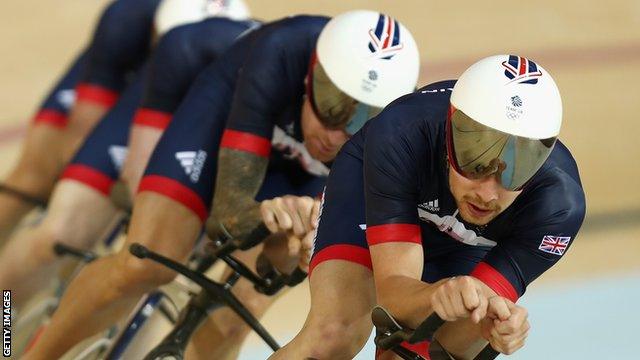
[(306, 250), (293, 214), (458, 298), (287, 251), (506, 326)]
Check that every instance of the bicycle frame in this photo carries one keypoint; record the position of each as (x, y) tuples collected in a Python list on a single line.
[(215, 295)]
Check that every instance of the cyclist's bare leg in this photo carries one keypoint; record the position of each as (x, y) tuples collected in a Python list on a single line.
[(83, 118), (142, 142), (222, 334), (44, 153), (34, 174), (108, 288), (77, 215), (339, 322)]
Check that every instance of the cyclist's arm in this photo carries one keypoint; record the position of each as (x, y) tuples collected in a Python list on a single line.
[(240, 176), (246, 142), (393, 233), (538, 241), (397, 268), (394, 236)]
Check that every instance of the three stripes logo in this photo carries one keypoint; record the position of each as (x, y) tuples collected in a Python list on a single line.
[(521, 70), (431, 206), (385, 38), (192, 162)]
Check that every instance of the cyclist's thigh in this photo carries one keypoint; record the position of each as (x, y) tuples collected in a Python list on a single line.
[(41, 149), (341, 279), (184, 163), (342, 289), (98, 162), (54, 109)]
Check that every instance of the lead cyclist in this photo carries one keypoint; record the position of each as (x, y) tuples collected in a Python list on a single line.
[(452, 200)]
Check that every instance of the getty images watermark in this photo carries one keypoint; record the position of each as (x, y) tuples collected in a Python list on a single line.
[(6, 323)]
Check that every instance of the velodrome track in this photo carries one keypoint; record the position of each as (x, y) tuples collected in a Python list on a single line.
[(581, 309)]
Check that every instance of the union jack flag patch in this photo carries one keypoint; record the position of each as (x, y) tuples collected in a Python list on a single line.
[(554, 244)]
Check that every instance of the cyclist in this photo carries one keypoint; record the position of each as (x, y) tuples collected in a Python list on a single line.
[(466, 198), (80, 209), (253, 105), (81, 97)]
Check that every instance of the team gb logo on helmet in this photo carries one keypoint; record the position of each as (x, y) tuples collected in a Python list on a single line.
[(385, 40), (521, 70)]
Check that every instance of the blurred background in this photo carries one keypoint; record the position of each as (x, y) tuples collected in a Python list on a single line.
[(584, 308)]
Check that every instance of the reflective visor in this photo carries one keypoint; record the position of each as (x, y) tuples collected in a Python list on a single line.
[(477, 151), (334, 108)]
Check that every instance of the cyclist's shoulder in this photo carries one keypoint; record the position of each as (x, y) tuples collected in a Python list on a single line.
[(424, 108), (413, 124), (555, 194), (290, 31)]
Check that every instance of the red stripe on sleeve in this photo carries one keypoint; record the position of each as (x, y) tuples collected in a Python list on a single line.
[(152, 118), (96, 94), (495, 280), (51, 117), (394, 233), (248, 142), (88, 176)]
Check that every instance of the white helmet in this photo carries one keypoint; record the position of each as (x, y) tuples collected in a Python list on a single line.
[(506, 115), (511, 94), (368, 56), (173, 13)]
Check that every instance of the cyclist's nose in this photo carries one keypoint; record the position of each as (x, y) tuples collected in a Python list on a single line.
[(488, 189)]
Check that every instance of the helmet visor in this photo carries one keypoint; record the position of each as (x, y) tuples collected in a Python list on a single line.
[(477, 151), (334, 108)]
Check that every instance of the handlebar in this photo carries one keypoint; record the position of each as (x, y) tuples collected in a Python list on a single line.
[(255, 237), (61, 249), (221, 292), (390, 334), (226, 244), (265, 285)]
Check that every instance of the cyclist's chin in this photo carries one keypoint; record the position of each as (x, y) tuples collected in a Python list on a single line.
[(317, 151), (474, 215)]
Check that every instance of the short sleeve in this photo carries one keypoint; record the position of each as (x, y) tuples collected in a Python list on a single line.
[(261, 93), (390, 180)]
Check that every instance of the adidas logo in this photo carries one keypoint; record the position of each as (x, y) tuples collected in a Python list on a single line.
[(118, 154), (192, 163), (432, 206)]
